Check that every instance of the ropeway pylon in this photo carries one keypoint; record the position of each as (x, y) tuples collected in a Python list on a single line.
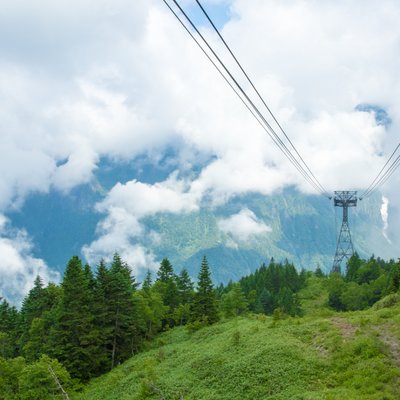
[(344, 247)]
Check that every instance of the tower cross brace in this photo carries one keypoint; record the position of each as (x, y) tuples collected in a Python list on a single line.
[(344, 247)]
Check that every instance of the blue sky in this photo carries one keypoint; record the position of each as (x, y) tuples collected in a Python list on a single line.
[(219, 12)]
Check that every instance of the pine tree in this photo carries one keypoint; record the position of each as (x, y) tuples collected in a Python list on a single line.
[(205, 305), (185, 287), (89, 276), (165, 272), (266, 302), (40, 303), (166, 285), (147, 283), (78, 344), (35, 346), (103, 316), (288, 302), (394, 278), (9, 323), (124, 337), (33, 306)]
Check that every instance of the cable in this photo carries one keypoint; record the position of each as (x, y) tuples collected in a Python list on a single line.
[(381, 178), (229, 83), (276, 139), (282, 145), (284, 150), (259, 95), (213, 63), (386, 176)]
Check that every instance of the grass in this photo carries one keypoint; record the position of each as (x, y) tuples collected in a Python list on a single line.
[(323, 355)]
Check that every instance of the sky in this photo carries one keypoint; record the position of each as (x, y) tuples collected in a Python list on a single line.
[(81, 81)]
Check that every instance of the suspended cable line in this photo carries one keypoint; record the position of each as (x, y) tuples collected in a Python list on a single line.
[(213, 63), (383, 174), (260, 117), (239, 95), (232, 87), (259, 96)]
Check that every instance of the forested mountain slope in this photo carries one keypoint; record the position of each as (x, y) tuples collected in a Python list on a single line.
[(298, 227)]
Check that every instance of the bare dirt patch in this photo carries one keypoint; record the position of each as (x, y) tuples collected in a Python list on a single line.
[(390, 341), (346, 329)]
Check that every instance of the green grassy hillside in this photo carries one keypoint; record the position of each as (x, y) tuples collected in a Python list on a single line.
[(323, 355)]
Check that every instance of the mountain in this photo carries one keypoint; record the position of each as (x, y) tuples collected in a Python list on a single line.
[(297, 227)]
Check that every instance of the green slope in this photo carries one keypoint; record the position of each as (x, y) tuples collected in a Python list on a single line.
[(321, 356)]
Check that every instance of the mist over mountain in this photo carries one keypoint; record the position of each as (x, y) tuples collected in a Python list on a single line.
[(236, 237)]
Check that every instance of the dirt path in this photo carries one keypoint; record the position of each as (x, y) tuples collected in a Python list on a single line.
[(346, 329), (390, 340)]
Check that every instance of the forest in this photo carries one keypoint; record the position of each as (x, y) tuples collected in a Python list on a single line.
[(66, 334)]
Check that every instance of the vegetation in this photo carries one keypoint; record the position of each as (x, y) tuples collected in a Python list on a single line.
[(337, 356), (364, 283), (275, 334)]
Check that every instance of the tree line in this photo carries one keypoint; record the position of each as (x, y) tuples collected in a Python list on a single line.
[(94, 320), (363, 284), (275, 286)]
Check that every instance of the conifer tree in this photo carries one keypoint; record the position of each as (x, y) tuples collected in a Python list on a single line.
[(205, 305), (185, 287), (9, 321), (33, 306), (78, 346), (89, 276), (103, 316), (265, 303), (124, 336), (288, 302), (166, 285), (394, 278), (36, 343), (166, 272), (40, 304), (147, 283)]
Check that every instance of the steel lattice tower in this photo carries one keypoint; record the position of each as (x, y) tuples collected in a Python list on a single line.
[(344, 248)]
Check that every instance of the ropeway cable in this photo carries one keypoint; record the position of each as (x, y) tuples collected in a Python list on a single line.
[(259, 96), (267, 127)]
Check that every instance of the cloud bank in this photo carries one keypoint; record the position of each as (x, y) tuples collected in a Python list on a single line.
[(18, 268)]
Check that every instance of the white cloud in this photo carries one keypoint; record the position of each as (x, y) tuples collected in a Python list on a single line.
[(85, 79), (243, 225), (125, 205), (140, 199), (318, 64), (118, 233), (18, 267)]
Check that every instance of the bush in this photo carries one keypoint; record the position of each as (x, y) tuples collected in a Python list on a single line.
[(387, 301), (196, 325)]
